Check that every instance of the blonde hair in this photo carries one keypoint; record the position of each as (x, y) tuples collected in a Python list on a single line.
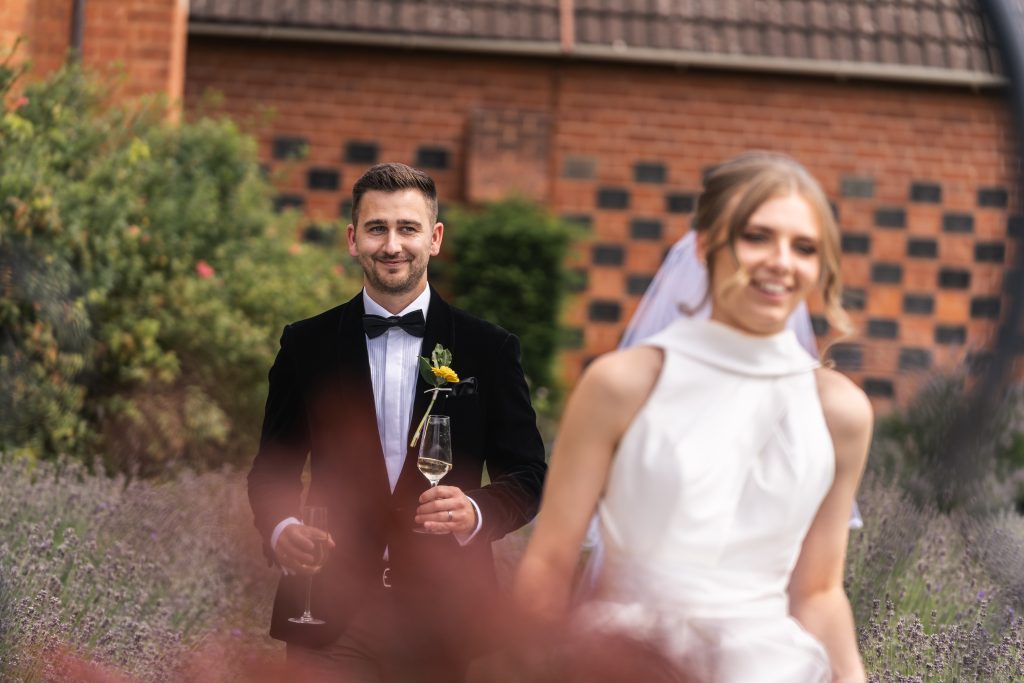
[(735, 189)]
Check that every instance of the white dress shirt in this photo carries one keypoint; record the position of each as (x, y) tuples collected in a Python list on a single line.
[(394, 369)]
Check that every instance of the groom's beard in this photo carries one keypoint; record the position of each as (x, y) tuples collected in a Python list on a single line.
[(396, 284)]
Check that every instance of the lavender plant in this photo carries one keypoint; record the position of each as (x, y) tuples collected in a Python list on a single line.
[(134, 576), (935, 595)]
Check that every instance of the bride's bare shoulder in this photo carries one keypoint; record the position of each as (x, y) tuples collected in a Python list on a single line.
[(846, 407), (628, 375)]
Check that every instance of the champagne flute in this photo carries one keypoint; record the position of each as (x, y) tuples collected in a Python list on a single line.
[(435, 458), (315, 517)]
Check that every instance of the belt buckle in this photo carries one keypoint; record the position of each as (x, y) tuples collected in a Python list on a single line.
[(385, 578)]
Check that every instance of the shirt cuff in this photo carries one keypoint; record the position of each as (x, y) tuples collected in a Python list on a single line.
[(277, 534), (463, 539)]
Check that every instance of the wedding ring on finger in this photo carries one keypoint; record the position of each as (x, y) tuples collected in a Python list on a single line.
[(449, 515)]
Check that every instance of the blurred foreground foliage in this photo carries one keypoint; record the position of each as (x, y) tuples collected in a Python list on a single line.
[(144, 280)]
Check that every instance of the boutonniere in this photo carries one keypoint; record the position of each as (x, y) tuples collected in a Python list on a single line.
[(435, 371)]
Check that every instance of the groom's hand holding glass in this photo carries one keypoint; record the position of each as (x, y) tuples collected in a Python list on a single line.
[(297, 549), (446, 509)]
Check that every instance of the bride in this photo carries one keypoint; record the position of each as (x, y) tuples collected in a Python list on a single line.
[(722, 460)]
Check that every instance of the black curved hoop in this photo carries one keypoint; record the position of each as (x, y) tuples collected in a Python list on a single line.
[(1006, 22)]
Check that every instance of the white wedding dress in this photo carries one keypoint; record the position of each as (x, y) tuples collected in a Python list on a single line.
[(710, 494)]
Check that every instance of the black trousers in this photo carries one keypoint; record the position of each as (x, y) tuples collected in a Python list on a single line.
[(385, 641)]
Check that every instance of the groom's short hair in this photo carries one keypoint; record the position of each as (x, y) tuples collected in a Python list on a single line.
[(393, 177)]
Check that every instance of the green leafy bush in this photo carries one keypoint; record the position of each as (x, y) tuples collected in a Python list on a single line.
[(508, 266), (144, 280)]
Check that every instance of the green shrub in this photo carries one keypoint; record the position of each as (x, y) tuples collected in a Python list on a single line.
[(508, 266), (144, 279)]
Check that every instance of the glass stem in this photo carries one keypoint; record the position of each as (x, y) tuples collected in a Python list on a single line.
[(309, 588)]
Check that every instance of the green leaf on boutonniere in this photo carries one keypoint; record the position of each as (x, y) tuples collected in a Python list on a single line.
[(427, 374), (440, 356)]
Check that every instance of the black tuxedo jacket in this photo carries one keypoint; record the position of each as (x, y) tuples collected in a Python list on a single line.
[(320, 403)]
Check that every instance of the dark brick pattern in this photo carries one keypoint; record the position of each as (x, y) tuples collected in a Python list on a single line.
[(918, 304), (876, 386), (856, 243), (579, 168), (615, 198), (921, 247), (924, 192), (358, 152), (915, 359), (601, 311), (636, 285), (883, 329), (957, 222), (886, 273), (848, 356), (993, 197), (954, 278), (989, 252), (323, 179), (680, 202), (854, 299), (891, 218), (646, 229), (650, 172), (608, 255), (434, 158), (950, 334), (857, 187), (286, 147), (985, 307)]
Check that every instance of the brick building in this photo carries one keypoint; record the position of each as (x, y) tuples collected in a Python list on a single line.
[(608, 110)]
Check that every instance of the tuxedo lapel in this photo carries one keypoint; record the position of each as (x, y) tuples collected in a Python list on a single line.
[(357, 385), (438, 331)]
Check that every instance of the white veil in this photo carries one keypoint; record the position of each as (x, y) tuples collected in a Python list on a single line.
[(680, 285)]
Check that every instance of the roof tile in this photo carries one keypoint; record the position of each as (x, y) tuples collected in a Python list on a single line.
[(943, 34)]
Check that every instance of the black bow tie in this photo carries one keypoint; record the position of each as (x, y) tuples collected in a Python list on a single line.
[(413, 323)]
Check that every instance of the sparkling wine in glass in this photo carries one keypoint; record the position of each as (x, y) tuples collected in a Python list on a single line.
[(315, 517), (435, 458)]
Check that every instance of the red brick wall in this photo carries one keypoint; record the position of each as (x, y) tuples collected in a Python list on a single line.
[(44, 27), (145, 38), (920, 155), (142, 39)]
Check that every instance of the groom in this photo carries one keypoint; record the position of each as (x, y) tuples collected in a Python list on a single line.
[(345, 390)]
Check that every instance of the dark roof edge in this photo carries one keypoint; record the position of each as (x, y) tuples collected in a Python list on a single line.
[(840, 70)]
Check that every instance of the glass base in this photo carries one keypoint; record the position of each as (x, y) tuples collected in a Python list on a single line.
[(306, 619)]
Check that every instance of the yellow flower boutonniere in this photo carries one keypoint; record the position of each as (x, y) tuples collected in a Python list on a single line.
[(436, 371)]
